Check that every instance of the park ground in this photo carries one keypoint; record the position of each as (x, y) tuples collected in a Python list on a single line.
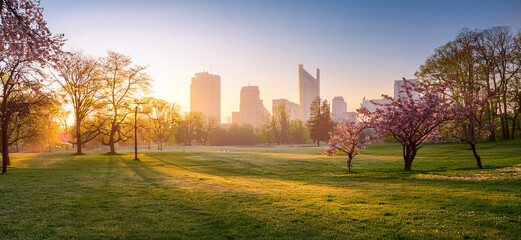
[(264, 192)]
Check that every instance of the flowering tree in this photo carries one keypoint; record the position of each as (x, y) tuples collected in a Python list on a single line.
[(345, 137), (468, 118), (25, 43), (411, 121)]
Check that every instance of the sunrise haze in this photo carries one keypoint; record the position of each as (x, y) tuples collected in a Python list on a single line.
[(361, 47)]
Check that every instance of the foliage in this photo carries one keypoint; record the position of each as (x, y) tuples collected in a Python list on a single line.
[(411, 121), (236, 135), (468, 121), (123, 83), (160, 119), (26, 42), (188, 126), (345, 137), (320, 123), (488, 59)]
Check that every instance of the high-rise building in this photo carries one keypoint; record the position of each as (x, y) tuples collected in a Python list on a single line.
[(251, 108), (309, 90), (338, 109), (205, 95), (292, 108), (399, 89)]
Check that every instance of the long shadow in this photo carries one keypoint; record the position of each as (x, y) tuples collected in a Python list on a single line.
[(388, 177), (222, 221)]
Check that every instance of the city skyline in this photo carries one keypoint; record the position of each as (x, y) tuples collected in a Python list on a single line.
[(361, 47)]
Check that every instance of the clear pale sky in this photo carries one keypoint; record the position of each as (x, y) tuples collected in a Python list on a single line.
[(361, 47)]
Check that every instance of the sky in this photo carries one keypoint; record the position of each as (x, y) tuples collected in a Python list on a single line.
[(361, 47)]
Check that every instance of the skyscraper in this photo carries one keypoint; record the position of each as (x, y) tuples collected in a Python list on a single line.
[(251, 108), (205, 95), (399, 88), (309, 90)]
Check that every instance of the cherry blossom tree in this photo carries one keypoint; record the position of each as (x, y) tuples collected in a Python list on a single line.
[(345, 137), (26, 44), (411, 121), (468, 123)]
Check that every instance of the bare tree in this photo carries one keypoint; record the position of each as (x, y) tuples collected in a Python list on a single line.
[(161, 118), (124, 82), (76, 74)]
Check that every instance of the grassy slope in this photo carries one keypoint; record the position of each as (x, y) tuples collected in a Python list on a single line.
[(233, 192)]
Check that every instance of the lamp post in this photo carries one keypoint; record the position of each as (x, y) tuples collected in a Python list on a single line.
[(135, 128)]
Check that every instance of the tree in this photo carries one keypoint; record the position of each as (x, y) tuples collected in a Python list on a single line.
[(161, 118), (79, 81), (298, 133), (486, 58), (468, 121), (345, 137), (411, 121), (206, 129), (280, 124), (320, 122), (124, 82), (188, 126), (26, 43), (269, 128)]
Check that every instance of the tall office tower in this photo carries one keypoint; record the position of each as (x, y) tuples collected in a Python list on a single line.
[(398, 87), (292, 108), (309, 89), (205, 95), (251, 108)]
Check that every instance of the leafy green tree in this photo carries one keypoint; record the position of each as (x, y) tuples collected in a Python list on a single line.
[(320, 123)]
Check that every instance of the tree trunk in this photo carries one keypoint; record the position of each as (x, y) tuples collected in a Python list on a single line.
[(408, 156), (318, 143), (349, 164), (478, 159), (78, 137), (111, 142), (514, 124), (5, 150)]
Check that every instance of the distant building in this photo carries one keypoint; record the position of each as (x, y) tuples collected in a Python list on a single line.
[(338, 109), (309, 90), (371, 106), (292, 108), (251, 109), (205, 95), (399, 89)]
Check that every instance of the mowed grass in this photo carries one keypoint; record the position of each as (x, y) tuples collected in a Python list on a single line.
[(264, 192)]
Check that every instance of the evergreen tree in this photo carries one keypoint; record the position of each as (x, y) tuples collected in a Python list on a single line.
[(320, 122)]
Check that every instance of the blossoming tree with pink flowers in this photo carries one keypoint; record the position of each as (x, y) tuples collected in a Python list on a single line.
[(411, 120), (468, 123), (346, 138)]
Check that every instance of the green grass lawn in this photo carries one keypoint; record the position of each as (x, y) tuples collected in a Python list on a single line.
[(264, 192)]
